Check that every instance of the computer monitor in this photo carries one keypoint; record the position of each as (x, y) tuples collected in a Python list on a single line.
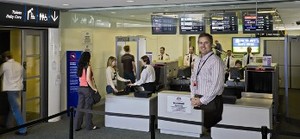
[(236, 73)]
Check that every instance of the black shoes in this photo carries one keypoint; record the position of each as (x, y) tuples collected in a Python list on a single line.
[(21, 134), (78, 129)]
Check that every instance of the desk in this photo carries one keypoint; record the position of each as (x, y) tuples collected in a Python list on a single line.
[(129, 104), (166, 99), (248, 112)]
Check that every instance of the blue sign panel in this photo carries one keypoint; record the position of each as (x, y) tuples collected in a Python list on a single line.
[(72, 79)]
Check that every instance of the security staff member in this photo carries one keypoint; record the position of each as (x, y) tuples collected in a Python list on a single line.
[(147, 78), (163, 55), (189, 58), (248, 57), (229, 62)]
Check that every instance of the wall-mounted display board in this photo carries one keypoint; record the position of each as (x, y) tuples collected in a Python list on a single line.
[(240, 44), (162, 24), (224, 23), (257, 22), (192, 24), (28, 15)]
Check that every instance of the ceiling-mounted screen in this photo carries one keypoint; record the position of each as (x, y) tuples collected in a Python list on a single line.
[(192, 24), (225, 23), (240, 44), (262, 23), (162, 24)]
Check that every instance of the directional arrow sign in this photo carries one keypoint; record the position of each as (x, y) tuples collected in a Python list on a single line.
[(75, 18), (54, 17)]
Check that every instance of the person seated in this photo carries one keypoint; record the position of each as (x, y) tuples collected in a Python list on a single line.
[(237, 72), (147, 78), (112, 76)]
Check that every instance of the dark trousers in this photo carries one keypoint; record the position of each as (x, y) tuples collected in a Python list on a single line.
[(212, 111), (85, 101), (149, 87), (212, 117), (130, 76)]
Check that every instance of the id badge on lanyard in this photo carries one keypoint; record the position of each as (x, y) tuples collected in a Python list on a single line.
[(196, 82)]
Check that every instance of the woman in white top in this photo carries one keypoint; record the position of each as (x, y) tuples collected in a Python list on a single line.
[(147, 78), (112, 76)]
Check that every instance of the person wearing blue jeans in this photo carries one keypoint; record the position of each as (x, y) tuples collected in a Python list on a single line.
[(12, 83), (15, 109)]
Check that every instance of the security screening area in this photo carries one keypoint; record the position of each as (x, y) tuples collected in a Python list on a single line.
[(171, 69)]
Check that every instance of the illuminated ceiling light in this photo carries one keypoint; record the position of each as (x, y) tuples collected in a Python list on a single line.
[(130, 1), (266, 11), (66, 4), (113, 12)]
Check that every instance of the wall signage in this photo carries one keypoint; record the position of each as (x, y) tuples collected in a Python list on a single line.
[(179, 104), (28, 15)]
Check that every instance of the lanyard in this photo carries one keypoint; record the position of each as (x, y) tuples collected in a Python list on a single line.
[(198, 70)]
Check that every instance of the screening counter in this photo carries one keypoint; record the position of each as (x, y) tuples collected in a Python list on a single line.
[(177, 105), (128, 104), (248, 111)]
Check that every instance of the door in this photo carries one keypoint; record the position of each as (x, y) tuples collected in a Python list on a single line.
[(33, 57)]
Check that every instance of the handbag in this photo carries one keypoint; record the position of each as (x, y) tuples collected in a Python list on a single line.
[(96, 97), (95, 94)]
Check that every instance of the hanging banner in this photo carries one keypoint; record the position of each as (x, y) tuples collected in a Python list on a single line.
[(72, 79)]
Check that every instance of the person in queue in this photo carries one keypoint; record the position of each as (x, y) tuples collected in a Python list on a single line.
[(147, 78), (112, 75), (128, 64), (207, 82), (86, 88)]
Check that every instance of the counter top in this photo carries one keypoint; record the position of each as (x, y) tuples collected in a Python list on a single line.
[(253, 102)]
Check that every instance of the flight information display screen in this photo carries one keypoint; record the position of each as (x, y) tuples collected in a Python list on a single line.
[(260, 22), (224, 24), (163, 24), (192, 24)]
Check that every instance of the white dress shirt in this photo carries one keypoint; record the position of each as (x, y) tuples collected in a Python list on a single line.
[(12, 72), (112, 76), (163, 57), (147, 75), (231, 62), (186, 60), (210, 81), (245, 58)]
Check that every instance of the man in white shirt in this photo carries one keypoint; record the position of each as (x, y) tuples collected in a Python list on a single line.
[(229, 62), (189, 58), (147, 78), (12, 83), (248, 57), (163, 55), (207, 82)]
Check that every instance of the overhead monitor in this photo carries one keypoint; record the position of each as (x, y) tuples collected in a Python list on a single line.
[(163, 24), (224, 23), (240, 44), (192, 24), (257, 22)]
